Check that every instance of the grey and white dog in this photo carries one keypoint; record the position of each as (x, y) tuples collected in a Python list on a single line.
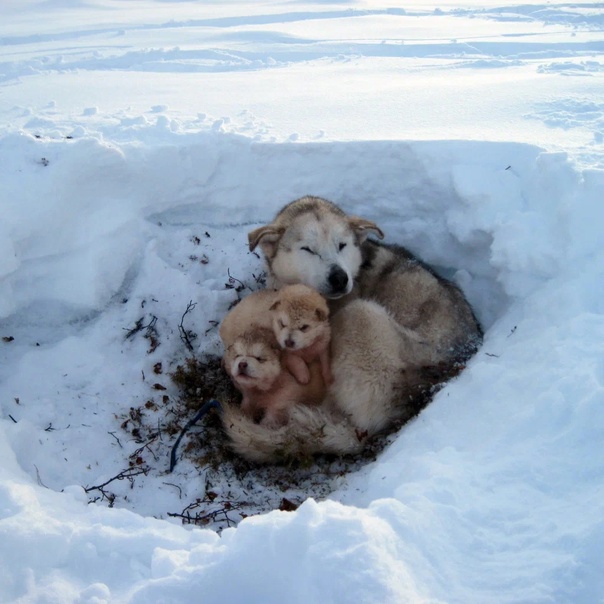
[(394, 323)]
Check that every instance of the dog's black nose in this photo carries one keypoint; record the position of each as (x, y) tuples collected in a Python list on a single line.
[(337, 279)]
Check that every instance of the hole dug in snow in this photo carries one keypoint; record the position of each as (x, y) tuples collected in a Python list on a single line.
[(134, 374)]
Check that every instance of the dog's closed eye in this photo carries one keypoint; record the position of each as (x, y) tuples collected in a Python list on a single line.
[(341, 246), (307, 249)]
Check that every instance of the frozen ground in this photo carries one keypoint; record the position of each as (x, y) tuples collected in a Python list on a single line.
[(140, 141)]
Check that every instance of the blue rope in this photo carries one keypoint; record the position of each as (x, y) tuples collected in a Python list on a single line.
[(212, 404)]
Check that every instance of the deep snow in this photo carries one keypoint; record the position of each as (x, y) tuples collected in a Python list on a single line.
[(140, 141)]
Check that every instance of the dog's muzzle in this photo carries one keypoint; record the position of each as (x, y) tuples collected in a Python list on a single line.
[(242, 369), (338, 281)]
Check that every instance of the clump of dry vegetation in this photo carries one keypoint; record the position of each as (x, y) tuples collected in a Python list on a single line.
[(200, 382)]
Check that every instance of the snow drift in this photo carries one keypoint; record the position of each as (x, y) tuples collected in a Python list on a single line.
[(486, 476)]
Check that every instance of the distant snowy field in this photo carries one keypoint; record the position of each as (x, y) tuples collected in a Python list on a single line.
[(141, 140)]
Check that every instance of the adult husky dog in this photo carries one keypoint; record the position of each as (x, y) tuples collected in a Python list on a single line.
[(395, 323)]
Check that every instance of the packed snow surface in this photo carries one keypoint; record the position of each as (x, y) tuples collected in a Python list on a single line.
[(140, 141)]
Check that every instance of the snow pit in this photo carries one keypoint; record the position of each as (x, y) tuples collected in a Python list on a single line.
[(117, 255)]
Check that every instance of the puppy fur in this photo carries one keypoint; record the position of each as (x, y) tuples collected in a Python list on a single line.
[(301, 326), (254, 363), (253, 310)]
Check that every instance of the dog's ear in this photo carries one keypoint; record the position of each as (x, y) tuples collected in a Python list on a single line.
[(321, 314), (363, 227), (267, 236)]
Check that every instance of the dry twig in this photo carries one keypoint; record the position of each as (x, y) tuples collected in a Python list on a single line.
[(187, 336)]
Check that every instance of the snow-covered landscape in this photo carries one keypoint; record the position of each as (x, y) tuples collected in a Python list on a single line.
[(141, 140)]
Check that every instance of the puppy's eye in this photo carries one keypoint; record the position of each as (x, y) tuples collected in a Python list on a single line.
[(307, 249), (260, 359), (304, 328), (341, 246), (281, 324)]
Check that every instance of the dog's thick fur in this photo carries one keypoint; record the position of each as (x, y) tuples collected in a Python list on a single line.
[(394, 320)]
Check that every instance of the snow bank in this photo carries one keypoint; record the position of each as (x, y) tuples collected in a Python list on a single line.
[(141, 141), (491, 495)]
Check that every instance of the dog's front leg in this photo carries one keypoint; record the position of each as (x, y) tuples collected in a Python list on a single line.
[(297, 367)]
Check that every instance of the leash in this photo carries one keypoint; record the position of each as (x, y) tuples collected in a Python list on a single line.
[(211, 404)]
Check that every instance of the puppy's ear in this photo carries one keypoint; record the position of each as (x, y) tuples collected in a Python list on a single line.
[(321, 314), (267, 236), (275, 305), (363, 227)]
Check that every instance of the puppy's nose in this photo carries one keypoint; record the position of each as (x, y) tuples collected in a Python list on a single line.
[(242, 365), (289, 343), (337, 279)]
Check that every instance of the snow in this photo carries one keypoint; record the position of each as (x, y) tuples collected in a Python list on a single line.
[(141, 140)]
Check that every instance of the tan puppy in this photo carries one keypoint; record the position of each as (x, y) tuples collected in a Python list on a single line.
[(301, 325), (254, 363), (252, 310), (298, 314)]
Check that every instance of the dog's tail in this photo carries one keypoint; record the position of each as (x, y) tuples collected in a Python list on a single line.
[(310, 430)]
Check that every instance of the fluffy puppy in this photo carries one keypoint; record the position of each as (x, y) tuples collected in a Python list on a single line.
[(254, 363), (253, 310), (300, 318)]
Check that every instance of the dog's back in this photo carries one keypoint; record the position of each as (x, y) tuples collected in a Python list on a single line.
[(420, 300)]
